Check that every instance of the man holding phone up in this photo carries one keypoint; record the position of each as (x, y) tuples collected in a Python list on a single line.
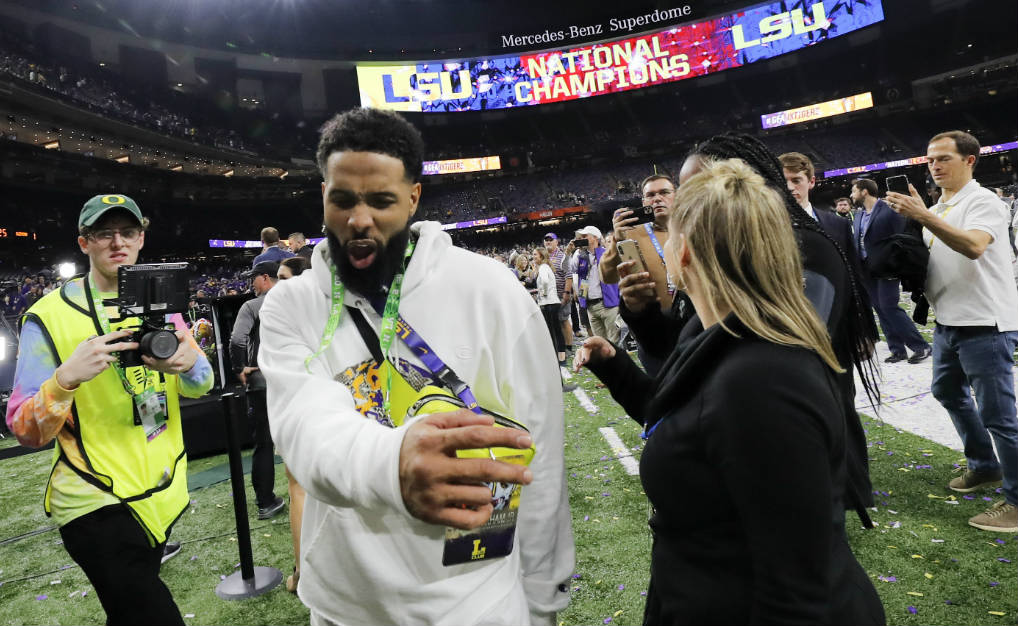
[(970, 286), (641, 287)]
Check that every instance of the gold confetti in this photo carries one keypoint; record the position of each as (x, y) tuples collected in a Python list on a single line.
[(266, 535), (915, 593), (929, 526), (917, 556), (928, 575), (935, 497), (617, 613), (598, 582), (588, 497), (893, 547), (997, 613)]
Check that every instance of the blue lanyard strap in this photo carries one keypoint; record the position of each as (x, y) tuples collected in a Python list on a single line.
[(653, 239), (438, 368)]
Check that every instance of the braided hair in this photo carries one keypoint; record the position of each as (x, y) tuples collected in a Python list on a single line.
[(861, 330)]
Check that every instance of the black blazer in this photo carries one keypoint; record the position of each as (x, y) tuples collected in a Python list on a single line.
[(754, 433), (883, 223), (837, 227)]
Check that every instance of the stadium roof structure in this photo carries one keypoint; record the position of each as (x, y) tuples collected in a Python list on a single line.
[(391, 29)]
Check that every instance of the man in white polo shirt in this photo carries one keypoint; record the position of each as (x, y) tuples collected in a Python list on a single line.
[(973, 294)]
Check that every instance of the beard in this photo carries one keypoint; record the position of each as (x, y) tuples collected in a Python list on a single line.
[(376, 278)]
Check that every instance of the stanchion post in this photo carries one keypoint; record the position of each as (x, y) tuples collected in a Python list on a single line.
[(250, 581)]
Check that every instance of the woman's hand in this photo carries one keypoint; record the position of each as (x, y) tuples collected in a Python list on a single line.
[(593, 351)]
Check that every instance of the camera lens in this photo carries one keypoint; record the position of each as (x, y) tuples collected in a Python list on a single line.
[(158, 344)]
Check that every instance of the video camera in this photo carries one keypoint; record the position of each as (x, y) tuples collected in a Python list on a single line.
[(151, 292)]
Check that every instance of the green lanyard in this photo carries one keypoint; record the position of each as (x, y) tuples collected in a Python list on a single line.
[(104, 324), (389, 317)]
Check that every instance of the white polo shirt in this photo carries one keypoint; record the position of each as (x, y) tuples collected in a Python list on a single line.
[(966, 292)]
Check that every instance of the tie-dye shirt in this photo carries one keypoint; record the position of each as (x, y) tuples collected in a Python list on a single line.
[(39, 408)]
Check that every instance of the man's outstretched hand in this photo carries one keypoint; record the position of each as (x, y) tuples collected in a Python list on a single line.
[(438, 487)]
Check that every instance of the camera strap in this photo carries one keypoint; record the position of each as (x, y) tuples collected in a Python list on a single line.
[(98, 309)]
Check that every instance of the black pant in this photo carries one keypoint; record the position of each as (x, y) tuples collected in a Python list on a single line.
[(550, 312), (263, 469), (113, 550)]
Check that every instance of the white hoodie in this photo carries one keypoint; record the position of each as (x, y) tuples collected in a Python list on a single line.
[(365, 559)]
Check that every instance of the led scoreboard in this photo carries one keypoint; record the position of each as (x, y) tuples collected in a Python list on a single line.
[(759, 32)]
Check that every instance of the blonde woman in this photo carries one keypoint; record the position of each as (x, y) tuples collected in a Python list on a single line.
[(746, 422)]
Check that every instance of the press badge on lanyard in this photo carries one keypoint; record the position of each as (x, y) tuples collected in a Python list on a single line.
[(151, 408)]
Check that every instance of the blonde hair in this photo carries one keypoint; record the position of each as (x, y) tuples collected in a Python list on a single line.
[(746, 257), (542, 256)]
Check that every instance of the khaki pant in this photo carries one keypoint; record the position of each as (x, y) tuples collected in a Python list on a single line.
[(602, 321)]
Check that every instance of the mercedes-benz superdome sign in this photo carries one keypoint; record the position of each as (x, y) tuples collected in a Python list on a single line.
[(683, 51)]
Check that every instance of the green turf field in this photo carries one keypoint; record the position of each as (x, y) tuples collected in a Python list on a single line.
[(929, 566)]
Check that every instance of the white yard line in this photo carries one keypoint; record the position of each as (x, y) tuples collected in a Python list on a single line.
[(565, 374), (621, 452), (585, 402)]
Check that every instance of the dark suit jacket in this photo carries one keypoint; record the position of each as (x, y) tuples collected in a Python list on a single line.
[(884, 222), (837, 227)]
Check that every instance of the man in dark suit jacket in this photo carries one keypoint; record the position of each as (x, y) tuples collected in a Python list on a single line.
[(800, 176), (875, 222)]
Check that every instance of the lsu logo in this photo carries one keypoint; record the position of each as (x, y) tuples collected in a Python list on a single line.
[(430, 86), (782, 26)]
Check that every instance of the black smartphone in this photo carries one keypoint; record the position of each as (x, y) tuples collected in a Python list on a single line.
[(898, 184)]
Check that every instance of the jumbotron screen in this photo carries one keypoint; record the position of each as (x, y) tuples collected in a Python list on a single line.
[(679, 52), (817, 111)]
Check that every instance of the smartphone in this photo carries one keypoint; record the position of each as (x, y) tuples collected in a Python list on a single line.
[(629, 250), (898, 184)]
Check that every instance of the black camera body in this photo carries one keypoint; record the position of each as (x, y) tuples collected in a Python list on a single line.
[(580, 242), (151, 292), (154, 340)]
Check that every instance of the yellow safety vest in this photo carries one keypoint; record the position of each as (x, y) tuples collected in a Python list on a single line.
[(150, 477)]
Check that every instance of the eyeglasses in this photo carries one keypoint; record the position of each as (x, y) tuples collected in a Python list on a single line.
[(662, 193), (127, 235)]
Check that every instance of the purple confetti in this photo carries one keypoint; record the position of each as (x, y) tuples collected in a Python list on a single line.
[(994, 583), (968, 497), (222, 577), (194, 558), (605, 494), (987, 499), (586, 518), (577, 576), (607, 620), (954, 560), (948, 602), (913, 610), (643, 593), (622, 587), (1003, 560), (42, 597), (1000, 541), (69, 566), (889, 453)]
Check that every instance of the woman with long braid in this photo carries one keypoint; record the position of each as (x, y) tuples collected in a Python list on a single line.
[(831, 286)]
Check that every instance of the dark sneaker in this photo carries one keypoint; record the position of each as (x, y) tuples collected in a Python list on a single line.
[(170, 550), (895, 358), (274, 509), (1002, 517), (970, 481), (567, 387), (921, 355)]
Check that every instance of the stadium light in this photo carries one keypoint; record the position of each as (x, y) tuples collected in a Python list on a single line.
[(3, 347), (66, 270)]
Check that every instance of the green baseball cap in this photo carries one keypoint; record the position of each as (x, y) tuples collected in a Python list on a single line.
[(98, 205)]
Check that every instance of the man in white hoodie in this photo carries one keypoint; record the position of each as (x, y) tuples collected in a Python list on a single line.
[(385, 501)]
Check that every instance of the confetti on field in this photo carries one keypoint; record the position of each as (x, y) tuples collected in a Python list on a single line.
[(914, 593), (913, 610), (888, 579), (1003, 560), (617, 613), (997, 613), (188, 615), (928, 576), (42, 597), (994, 583), (54, 582), (917, 556)]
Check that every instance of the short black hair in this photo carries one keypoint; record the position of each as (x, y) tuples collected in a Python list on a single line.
[(373, 130)]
